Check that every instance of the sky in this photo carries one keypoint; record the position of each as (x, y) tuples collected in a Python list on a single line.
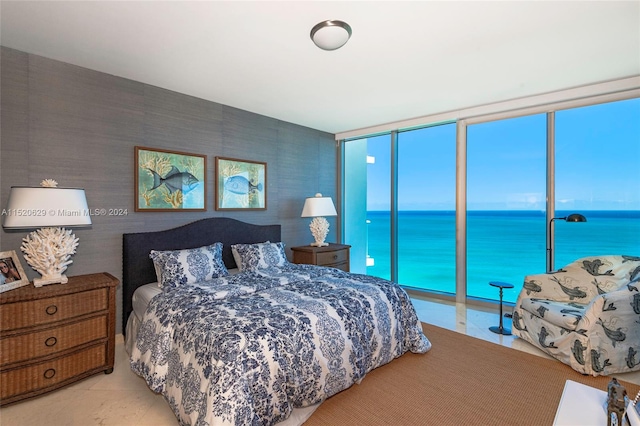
[(597, 163)]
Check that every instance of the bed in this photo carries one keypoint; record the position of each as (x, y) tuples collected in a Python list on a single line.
[(243, 336)]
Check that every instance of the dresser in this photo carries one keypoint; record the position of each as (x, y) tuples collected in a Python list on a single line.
[(333, 255), (55, 335)]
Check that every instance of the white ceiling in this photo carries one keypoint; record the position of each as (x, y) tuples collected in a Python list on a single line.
[(404, 60)]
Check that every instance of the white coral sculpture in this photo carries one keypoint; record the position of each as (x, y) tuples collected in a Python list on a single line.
[(49, 183), (48, 250), (319, 229)]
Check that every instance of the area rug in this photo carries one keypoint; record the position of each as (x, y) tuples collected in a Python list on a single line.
[(460, 381)]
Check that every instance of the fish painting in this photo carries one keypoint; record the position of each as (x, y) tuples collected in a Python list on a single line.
[(175, 180), (240, 185)]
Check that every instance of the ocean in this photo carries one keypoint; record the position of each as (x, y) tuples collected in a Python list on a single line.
[(501, 246)]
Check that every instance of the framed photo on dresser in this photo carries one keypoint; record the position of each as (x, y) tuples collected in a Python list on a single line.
[(11, 272)]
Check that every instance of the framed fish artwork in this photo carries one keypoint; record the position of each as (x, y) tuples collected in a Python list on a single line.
[(169, 180), (240, 184)]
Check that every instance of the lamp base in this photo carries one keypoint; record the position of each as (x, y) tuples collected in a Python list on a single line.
[(48, 250), (39, 282), (323, 244), (319, 229)]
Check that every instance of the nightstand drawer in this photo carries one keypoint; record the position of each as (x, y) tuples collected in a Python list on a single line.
[(343, 266), (14, 316), (331, 257), (38, 378), (51, 341)]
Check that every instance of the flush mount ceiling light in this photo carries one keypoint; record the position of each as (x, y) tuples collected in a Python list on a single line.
[(330, 35)]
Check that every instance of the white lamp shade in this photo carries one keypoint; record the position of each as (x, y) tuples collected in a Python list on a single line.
[(37, 207), (318, 206)]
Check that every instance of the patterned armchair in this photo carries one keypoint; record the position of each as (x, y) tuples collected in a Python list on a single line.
[(587, 314)]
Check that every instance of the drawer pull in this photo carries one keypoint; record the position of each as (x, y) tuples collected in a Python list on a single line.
[(51, 341), (51, 309), (48, 374), (335, 256)]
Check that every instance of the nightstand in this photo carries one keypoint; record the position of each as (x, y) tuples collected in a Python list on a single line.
[(55, 335), (333, 255)]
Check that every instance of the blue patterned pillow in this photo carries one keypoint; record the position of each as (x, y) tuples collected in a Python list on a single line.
[(180, 267), (258, 256)]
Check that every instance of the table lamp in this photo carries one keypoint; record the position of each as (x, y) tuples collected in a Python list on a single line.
[(317, 207), (51, 209)]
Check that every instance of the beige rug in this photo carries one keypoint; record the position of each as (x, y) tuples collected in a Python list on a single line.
[(461, 381)]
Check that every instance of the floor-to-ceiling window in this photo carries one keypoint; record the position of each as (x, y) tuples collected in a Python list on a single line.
[(426, 208), (506, 175), (367, 187), (597, 174), (379, 206), (521, 170)]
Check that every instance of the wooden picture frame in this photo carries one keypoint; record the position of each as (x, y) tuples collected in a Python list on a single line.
[(169, 181), (11, 272), (240, 184)]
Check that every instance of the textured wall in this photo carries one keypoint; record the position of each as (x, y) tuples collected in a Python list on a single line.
[(79, 127)]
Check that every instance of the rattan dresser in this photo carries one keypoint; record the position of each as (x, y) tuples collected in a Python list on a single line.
[(56, 335)]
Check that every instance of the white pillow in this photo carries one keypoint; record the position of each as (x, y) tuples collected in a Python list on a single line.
[(258, 256), (188, 266)]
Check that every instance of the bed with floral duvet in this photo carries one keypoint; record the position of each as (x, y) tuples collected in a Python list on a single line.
[(255, 346)]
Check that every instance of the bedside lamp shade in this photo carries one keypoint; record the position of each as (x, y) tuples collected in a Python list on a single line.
[(35, 207), (317, 207)]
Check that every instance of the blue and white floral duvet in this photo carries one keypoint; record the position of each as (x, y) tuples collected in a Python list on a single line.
[(248, 348)]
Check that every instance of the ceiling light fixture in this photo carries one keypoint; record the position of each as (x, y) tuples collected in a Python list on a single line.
[(330, 35)]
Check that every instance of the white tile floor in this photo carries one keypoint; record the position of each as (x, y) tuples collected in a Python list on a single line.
[(122, 398)]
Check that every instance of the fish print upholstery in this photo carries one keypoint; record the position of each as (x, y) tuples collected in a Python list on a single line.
[(586, 314)]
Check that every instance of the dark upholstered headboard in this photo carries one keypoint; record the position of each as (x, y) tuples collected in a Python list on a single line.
[(137, 267)]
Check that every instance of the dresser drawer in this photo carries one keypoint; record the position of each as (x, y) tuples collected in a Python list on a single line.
[(51, 341), (331, 257), (14, 316), (38, 378)]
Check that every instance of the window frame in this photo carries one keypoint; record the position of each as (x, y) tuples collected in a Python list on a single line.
[(613, 91)]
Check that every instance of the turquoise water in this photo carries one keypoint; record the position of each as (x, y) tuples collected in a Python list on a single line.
[(501, 246)]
